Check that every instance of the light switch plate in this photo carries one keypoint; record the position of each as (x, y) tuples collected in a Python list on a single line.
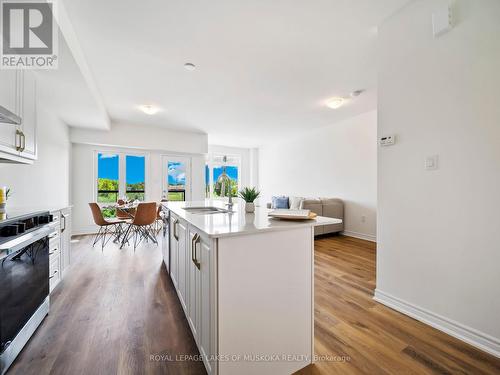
[(431, 163), (442, 19)]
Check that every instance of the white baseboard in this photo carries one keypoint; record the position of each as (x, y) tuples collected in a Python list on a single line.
[(462, 332), (362, 236), (91, 229)]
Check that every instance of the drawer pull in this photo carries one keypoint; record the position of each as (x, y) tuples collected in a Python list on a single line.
[(195, 240), (53, 275), (176, 236)]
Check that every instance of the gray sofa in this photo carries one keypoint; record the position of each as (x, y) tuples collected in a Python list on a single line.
[(329, 207)]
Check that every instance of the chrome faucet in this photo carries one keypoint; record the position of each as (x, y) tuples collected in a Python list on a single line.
[(229, 204), (224, 181)]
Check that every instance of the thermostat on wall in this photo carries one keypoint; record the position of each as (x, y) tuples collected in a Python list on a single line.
[(387, 140)]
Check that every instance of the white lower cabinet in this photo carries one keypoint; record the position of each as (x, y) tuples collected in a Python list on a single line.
[(174, 250), (54, 261), (194, 288), (182, 281), (65, 229), (59, 246), (192, 251), (205, 319)]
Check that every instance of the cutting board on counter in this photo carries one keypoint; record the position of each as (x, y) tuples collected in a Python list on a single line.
[(292, 214)]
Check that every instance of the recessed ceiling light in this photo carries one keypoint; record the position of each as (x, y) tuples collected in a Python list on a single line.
[(335, 102), (149, 109), (356, 93), (189, 66)]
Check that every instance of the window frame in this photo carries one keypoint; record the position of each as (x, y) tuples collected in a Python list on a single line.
[(211, 163), (187, 160), (122, 172), (125, 154)]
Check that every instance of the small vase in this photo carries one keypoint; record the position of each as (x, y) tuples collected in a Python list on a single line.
[(249, 207)]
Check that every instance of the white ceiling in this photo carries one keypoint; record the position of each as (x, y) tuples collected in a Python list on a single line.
[(264, 67), (65, 92)]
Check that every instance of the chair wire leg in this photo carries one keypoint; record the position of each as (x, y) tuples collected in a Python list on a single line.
[(126, 236), (97, 236)]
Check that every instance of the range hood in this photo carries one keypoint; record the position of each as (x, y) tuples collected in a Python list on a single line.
[(9, 117)]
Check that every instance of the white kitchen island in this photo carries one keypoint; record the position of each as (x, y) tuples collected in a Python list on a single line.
[(246, 284)]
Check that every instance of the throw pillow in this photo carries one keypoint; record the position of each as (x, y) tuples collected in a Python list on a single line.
[(295, 203), (280, 202)]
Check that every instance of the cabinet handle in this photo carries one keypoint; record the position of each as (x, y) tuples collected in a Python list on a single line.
[(18, 136), (53, 274), (192, 247), (195, 240), (175, 230), (64, 221)]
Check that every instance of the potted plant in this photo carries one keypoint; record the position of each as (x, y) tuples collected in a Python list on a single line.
[(249, 195)]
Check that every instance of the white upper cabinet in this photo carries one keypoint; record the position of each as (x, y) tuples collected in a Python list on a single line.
[(28, 124), (9, 98), (18, 95)]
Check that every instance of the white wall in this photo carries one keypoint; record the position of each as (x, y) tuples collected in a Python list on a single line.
[(84, 174), (438, 231), (336, 161), (143, 137), (44, 184)]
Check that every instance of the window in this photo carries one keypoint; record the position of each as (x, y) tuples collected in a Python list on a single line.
[(207, 181), (232, 173), (120, 176), (214, 169), (107, 177), (176, 179), (135, 177)]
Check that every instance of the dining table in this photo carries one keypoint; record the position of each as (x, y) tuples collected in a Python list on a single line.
[(128, 208)]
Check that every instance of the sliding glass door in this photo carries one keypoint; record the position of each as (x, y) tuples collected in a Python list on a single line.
[(176, 178)]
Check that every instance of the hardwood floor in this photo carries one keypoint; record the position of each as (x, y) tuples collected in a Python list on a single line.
[(109, 315), (361, 336), (117, 308)]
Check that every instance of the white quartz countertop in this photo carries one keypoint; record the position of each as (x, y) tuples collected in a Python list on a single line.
[(238, 222)]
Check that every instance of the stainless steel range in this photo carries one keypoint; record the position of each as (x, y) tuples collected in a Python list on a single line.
[(24, 280)]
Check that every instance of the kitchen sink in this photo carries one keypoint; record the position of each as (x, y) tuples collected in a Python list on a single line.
[(206, 210)]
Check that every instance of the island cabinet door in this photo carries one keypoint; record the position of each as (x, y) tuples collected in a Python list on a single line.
[(194, 285), (182, 262), (174, 246), (206, 326), (200, 295)]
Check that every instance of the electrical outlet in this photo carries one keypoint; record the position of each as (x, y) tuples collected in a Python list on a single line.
[(431, 162)]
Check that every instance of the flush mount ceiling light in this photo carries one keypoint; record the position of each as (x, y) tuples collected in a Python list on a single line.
[(335, 102), (356, 93), (149, 109), (189, 66)]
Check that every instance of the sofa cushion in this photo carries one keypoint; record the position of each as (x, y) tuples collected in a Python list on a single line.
[(295, 203), (333, 207), (280, 202)]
